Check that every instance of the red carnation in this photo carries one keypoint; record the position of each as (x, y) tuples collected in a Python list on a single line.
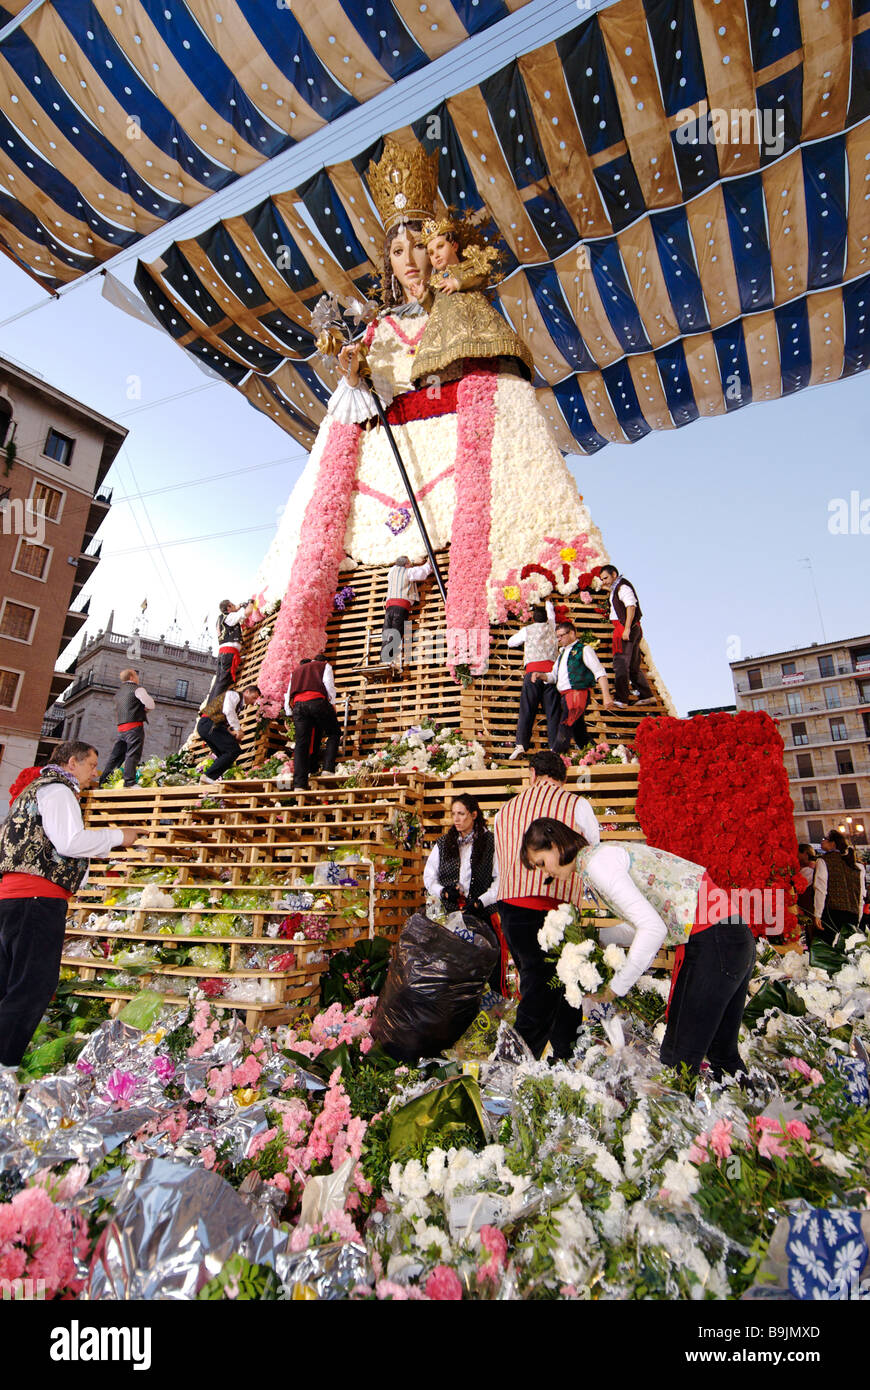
[(24, 779)]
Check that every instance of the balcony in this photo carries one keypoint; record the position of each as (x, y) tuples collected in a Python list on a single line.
[(85, 566), (779, 682), (162, 691), (97, 513), (73, 623), (60, 681)]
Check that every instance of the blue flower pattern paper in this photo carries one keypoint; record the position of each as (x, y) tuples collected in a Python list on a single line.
[(827, 1253)]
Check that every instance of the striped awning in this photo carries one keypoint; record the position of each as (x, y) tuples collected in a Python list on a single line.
[(683, 188), (116, 116)]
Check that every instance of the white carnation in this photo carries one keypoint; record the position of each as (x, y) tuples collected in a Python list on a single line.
[(589, 978), (551, 933), (680, 1180), (614, 957)]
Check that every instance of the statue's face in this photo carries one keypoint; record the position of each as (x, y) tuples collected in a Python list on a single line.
[(409, 262)]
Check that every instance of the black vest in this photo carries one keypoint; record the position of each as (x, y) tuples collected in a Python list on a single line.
[(227, 633), (129, 709), (844, 883), (618, 605), (482, 858), (26, 849)]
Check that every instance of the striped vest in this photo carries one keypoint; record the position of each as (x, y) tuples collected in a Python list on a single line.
[(399, 587), (543, 798)]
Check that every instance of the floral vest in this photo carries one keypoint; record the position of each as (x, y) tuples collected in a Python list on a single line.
[(26, 849), (668, 883)]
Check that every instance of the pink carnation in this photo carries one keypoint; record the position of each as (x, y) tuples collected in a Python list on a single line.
[(720, 1138), (444, 1285)]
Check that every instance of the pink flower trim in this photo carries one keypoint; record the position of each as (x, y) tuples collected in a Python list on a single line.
[(300, 629), (470, 558)]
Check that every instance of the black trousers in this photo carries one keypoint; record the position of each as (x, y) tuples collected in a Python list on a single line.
[(127, 750), (626, 669), (312, 718), (544, 1014), (222, 743), (566, 734), (223, 677), (533, 695), (836, 920), (396, 619), (709, 998), (31, 944)]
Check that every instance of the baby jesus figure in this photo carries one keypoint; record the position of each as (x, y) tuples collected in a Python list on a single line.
[(462, 323)]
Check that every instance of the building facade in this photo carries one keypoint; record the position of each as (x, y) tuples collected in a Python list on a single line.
[(178, 677), (820, 697), (54, 455)]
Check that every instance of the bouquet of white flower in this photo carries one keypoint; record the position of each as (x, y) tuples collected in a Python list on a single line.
[(582, 963)]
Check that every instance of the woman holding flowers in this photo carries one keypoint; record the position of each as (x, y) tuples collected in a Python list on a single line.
[(662, 900)]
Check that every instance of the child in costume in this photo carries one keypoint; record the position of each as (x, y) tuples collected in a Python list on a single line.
[(462, 322)]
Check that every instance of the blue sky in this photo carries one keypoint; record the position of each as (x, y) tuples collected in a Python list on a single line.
[(710, 521)]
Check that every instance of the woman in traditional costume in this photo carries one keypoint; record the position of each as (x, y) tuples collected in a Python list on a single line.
[(663, 900), (486, 471)]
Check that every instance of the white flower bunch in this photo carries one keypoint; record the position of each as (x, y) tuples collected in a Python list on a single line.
[(576, 970), (552, 933)]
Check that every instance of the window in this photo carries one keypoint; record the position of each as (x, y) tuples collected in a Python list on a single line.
[(31, 559), (759, 702), (16, 621), (844, 763), (811, 798), (58, 447), (804, 765), (46, 500), (815, 831), (9, 683), (850, 796), (838, 730), (175, 733), (181, 689), (789, 668), (863, 692), (826, 666), (799, 733), (755, 681), (794, 702), (832, 697), (866, 719)]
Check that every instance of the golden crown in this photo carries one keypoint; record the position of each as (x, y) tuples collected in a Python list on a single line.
[(403, 183), (439, 226)]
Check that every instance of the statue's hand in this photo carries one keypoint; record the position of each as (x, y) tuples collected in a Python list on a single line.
[(348, 361)]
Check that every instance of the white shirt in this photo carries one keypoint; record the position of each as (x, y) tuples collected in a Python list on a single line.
[(433, 868), (62, 822), (142, 694), (328, 685), (627, 596), (642, 930), (820, 887), (559, 674), (231, 703)]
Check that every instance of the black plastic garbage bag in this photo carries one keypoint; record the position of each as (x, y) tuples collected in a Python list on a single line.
[(434, 987)]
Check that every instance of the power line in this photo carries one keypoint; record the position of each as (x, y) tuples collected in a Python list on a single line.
[(190, 540), (197, 482)]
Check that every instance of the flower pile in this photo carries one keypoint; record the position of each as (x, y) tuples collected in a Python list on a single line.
[(441, 752), (610, 1177)]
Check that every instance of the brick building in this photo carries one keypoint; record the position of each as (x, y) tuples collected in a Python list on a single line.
[(178, 677), (820, 696), (54, 455)]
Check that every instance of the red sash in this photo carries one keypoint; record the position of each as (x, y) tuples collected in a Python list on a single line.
[(617, 636), (575, 703)]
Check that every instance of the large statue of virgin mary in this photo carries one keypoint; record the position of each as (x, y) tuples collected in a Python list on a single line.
[(487, 473)]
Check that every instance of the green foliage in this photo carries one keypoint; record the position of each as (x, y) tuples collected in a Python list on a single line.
[(241, 1280)]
